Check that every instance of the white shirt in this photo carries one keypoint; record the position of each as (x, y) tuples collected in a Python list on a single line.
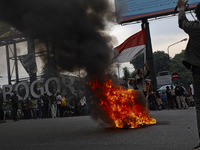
[(59, 98), (192, 89)]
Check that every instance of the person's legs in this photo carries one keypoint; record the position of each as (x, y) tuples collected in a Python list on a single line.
[(196, 80), (182, 102), (178, 102), (14, 113)]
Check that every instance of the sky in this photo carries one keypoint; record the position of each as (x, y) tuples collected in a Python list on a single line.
[(164, 32)]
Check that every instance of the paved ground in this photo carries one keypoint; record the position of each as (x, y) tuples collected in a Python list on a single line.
[(175, 130)]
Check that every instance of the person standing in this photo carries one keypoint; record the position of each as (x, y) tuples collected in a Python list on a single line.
[(174, 97), (14, 102), (191, 90), (76, 101), (25, 109), (53, 105), (170, 104), (179, 91), (45, 99), (2, 114), (191, 94), (40, 106), (140, 80), (164, 100), (58, 102), (191, 58)]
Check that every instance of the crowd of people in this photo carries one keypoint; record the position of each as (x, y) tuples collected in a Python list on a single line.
[(172, 98), (53, 106)]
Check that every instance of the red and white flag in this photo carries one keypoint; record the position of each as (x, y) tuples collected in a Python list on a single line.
[(130, 48)]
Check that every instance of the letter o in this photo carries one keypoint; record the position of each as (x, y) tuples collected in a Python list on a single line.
[(26, 88), (47, 85)]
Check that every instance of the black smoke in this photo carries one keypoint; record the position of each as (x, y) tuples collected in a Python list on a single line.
[(73, 28)]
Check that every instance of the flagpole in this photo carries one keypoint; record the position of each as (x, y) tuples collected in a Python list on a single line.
[(149, 54), (145, 58)]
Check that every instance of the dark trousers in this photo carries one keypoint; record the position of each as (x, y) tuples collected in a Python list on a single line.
[(196, 81), (1, 115), (15, 109), (62, 109), (58, 110), (46, 110)]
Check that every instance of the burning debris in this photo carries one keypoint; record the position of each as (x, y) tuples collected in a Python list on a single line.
[(126, 108)]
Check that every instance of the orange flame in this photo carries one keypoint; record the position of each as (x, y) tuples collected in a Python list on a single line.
[(121, 106)]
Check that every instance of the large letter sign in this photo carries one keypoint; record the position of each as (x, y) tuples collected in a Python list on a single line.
[(41, 89), (47, 85), (9, 92), (7, 89), (26, 88)]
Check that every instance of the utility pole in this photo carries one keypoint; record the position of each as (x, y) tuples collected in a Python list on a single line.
[(149, 54)]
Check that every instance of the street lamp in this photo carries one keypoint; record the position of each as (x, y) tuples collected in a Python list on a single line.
[(185, 39)]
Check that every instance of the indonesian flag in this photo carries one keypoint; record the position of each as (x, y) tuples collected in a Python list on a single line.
[(130, 48)]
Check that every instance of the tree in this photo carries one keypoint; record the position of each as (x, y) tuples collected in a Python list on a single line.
[(138, 62), (177, 66), (126, 73), (161, 60)]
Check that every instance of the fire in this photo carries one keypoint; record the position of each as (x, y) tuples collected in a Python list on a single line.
[(121, 106)]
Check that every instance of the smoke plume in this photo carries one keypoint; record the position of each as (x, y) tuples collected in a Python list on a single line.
[(73, 28)]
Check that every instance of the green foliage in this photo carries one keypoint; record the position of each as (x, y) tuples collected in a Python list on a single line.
[(133, 74), (126, 74), (177, 66), (138, 62), (161, 60)]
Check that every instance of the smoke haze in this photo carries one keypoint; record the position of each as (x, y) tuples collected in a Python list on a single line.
[(74, 29)]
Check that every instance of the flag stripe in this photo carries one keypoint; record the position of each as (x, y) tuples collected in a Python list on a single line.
[(130, 53), (134, 40)]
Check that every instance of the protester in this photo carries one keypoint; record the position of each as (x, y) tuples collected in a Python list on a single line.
[(191, 95), (14, 102), (25, 109), (191, 89), (76, 101), (45, 99), (40, 106), (83, 106), (164, 100), (63, 106), (140, 79), (158, 100), (152, 101), (53, 105), (174, 97), (58, 102), (7, 110), (185, 93), (32, 109), (191, 58), (179, 96), (170, 104), (2, 114)]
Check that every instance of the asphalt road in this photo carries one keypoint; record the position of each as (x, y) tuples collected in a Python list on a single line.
[(175, 130)]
